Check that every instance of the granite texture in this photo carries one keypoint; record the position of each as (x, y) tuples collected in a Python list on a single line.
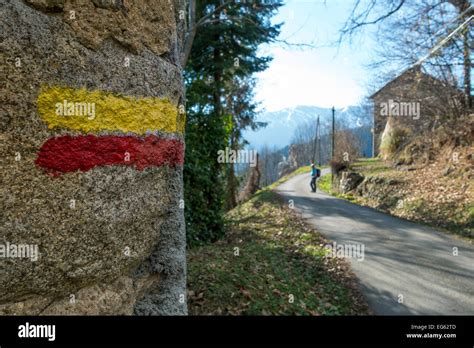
[(112, 237)]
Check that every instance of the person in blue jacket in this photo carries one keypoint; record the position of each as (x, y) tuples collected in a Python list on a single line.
[(315, 173)]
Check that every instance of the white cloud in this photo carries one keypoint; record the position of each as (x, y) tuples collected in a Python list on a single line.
[(308, 78)]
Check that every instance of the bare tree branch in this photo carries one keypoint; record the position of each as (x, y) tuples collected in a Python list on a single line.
[(194, 26), (189, 37), (356, 21)]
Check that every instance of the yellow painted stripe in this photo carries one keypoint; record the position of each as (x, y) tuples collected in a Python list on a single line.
[(95, 111)]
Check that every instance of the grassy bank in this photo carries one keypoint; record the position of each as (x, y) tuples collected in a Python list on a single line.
[(270, 263), (423, 194), (324, 184)]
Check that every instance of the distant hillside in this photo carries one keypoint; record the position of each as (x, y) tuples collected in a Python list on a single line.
[(282, 124)]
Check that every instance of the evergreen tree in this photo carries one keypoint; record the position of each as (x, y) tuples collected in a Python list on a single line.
[(219, 85)]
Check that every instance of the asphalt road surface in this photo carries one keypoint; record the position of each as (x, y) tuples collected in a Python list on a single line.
[(407, 268)]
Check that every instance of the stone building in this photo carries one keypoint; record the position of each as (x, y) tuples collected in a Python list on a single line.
[(413, 100), (91, 155)]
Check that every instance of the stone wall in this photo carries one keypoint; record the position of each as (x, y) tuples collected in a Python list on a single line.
[(91, 155)]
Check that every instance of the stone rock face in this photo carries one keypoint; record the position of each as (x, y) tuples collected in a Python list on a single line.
[(135, 24), (369, 186), (116, 298), (385, 193), (349, 181), (112, 238)]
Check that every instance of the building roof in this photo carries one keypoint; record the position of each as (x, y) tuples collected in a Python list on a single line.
[(409, 70), (414, 69)]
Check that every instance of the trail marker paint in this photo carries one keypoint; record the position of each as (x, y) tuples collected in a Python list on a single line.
[(98, 111), (68, 154)]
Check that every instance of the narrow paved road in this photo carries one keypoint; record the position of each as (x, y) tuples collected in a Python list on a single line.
[(401, 257)]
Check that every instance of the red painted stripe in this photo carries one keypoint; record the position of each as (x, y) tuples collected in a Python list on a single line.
[(68, 154)]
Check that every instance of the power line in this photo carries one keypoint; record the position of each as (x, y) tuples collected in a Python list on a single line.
[(438, 46), (461, 15), (441, 43)]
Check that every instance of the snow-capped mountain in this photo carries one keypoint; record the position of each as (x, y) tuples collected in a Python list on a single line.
[(281, 124)]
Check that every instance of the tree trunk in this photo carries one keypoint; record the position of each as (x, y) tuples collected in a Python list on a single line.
[(189, 38), (467, 69), (232, 180), (463, 5)]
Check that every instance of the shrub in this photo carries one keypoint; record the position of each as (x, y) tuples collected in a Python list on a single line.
[(337, 166)]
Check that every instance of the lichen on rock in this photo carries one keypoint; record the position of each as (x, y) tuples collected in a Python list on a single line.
[(114, 236)]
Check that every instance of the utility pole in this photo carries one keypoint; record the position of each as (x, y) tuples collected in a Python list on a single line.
[(313, 147), (315, 142), (319, 144), (332, 142)]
